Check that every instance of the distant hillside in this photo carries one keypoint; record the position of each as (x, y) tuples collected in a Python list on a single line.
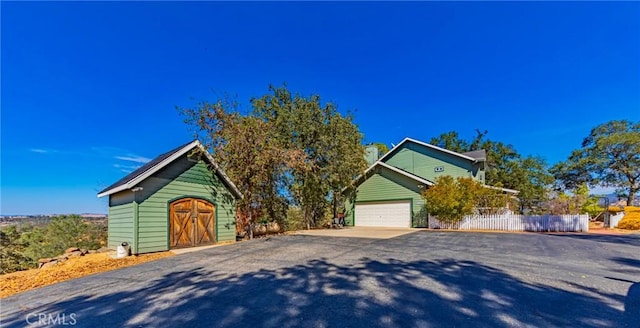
[(93, 215), (37, 220), (614, 200)]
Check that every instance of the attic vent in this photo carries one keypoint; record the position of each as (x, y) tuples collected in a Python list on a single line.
[(438, 169)]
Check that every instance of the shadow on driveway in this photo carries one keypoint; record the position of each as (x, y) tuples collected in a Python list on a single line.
[(631, 240), (390, 293)]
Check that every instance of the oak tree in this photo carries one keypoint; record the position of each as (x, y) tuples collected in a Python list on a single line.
[(609, 157)]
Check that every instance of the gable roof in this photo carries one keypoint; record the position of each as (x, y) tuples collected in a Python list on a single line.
[(407, 140), (479, 154), (155, 165), (400, 171), (394, 169)]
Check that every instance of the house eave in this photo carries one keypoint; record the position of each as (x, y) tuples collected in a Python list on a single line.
[(391, 168), (507, 190)]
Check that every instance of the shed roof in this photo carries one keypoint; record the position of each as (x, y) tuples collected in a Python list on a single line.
[(155, 165)]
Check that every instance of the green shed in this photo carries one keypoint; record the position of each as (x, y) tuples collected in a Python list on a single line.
[(181, 198)]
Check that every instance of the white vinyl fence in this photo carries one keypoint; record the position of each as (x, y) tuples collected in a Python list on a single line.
[(615, 219), (515, 222)]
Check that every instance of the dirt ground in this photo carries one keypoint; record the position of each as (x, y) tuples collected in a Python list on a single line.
[(75, 267), (598, 228)]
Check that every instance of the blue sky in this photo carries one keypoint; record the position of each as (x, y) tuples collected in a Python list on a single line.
[(89, 89)]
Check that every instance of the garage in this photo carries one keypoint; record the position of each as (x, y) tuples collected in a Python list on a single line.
[(384, 214), (182, 198)]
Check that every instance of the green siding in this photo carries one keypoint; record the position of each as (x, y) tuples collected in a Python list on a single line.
[(183, 178), (120, 224), (422, 161), (478, 172), (386, 185), (123, 197)]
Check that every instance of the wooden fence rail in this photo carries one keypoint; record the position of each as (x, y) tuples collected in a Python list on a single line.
[(515, 222)]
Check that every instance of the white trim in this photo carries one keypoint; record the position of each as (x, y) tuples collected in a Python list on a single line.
[(429, 146), (133, 182), (220, 171), (509, 191)]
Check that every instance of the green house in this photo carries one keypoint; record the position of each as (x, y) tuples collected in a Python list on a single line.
[(179, 199), (389, 192)]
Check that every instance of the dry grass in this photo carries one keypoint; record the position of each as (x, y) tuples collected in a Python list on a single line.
[(631, 220), (75, 267)]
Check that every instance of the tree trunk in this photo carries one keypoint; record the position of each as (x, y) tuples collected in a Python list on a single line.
[(250, 221), (632, 196), (335, 206)]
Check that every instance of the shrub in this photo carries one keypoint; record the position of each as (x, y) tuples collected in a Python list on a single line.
[(629, 224), (631, 220), (295, 219), (11, 251), (63, 232), (23, 246), (451, 199)]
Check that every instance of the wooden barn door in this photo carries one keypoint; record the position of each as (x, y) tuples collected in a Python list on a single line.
[(191, 223), (205, 231)]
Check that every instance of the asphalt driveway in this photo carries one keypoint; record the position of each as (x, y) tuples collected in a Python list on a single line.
[(359, 232), (421, 279)]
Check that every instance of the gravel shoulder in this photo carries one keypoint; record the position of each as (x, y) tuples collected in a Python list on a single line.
[(74, 267)]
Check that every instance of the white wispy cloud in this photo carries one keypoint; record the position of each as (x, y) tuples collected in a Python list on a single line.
[(41, 151), (126, 167), (133, 158)]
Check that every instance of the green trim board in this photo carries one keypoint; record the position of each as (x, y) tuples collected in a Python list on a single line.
[(136, 226)]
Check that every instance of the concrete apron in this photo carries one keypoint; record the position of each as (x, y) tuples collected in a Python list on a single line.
[(193, 249), (359, 232)]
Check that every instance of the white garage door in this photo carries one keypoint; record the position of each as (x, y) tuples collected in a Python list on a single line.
[(388, 214)]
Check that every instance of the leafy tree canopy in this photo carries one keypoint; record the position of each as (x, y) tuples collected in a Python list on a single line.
[(610, 157), (288, 150), (452, 199), (505, 167)]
